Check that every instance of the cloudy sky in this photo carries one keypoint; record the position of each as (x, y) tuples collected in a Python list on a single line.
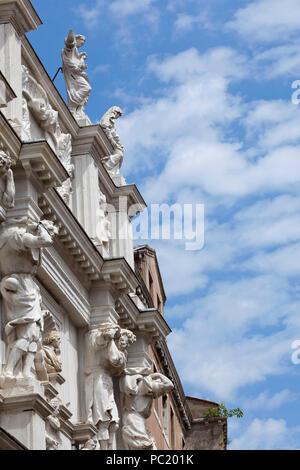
[(206, 90)]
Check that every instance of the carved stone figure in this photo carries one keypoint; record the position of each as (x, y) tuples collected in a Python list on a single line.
[(51, 444), (103, 225), (51, 344), (112, 162), (64, 153), (77, 83), (21, 241), (7, 196), (36, 101), (106, 356), (91, 444), (138, 389)]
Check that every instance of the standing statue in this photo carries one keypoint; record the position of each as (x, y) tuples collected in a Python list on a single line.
[(21, 241), (112, 162), (77, 82), (7, 195), (103, 229), (106, 356), (138, 389)]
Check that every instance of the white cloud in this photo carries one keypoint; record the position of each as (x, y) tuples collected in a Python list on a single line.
[(268, 402), (185, 22), (267, 20), (280, 61), (90, 16), (185, 138), (130, 7), (269, 434)]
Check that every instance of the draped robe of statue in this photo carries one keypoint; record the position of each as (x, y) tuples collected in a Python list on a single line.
[(77, 83), (138, 389), (106, 356), (19, 260)]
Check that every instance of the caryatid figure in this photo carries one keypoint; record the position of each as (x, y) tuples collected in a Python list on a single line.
[(77, 82), (21, 241), (114, 161), (106, 357), (138, 389), (7, 197)]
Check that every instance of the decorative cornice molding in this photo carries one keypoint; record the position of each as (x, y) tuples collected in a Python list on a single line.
[(42, 165), (21, 14)]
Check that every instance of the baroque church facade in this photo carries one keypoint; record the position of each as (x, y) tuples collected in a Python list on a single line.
[(84, 362)]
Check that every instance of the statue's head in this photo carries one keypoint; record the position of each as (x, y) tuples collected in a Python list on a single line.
[(50, 227), (5, 162), (80, 40), (52, 338), (117, 112), (125, 339)]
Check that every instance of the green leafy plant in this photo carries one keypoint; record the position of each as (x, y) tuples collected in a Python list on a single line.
[(221, 411)]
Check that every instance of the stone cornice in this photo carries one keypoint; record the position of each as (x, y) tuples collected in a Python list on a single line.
[(152, 322), (30, 401), (82, 432), (6, 92), (149, 321), (119, 274), (21, 14), (92, 140), (42, 165), (75, 240)]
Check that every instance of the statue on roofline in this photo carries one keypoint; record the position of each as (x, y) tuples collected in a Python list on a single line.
[(114, 161), (77, 82)]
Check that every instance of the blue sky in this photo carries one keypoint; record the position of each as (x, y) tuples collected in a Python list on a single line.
[(208, 118)]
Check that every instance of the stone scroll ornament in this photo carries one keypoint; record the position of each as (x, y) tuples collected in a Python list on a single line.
[(7, 195), (106, 357), (21, 241), (114, 161), (138, 389), (77, 82)]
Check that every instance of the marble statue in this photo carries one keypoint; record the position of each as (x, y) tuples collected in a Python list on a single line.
[(103, 229), (138, 389), (91, 444), (77, 82), (21, 241), (112, 162), (51, 345), (7, 196), (106, 356), (35, 101)]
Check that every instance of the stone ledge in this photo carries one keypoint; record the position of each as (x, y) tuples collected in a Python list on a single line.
[(21, 14), (42, 165)]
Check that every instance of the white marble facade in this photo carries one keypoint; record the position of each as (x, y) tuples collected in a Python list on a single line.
[(70, 332)]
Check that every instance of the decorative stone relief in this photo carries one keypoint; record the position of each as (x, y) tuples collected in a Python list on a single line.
[(112, 162), (21, 241), (36, 101), (103, 229), (77, 82), (53, 426), (51, 347), (106, 356), (138, 389), (7, 195), (91, 444)]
